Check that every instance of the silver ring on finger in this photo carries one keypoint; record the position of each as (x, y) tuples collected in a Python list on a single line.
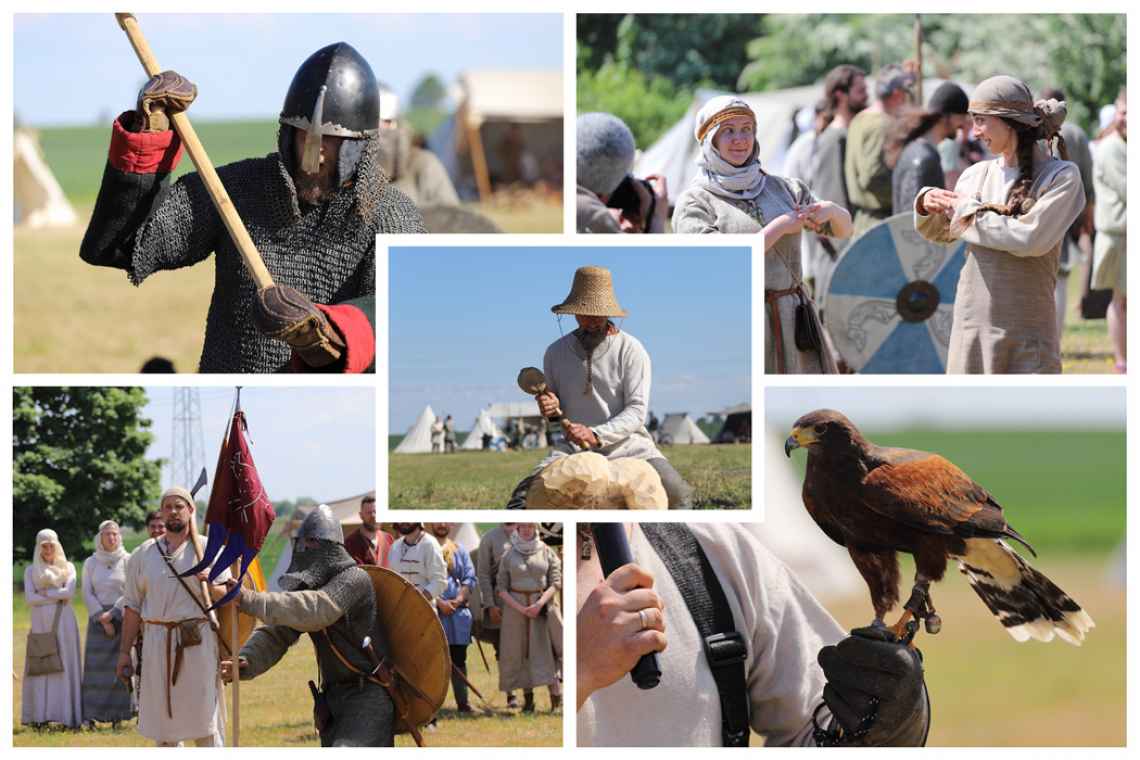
[(644, 619)]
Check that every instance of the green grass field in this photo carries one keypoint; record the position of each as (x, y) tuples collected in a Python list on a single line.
[(720, 475), (276, 709), (988, 690), (1064, 491), (73, 317)]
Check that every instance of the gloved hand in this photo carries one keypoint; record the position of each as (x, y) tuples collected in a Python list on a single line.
[(875, 690), (285, 313), (164, 94)]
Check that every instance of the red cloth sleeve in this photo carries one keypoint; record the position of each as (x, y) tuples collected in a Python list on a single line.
[(143, 152), (358, 335)]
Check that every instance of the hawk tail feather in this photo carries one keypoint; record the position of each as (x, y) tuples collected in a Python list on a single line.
[(1028, 604)]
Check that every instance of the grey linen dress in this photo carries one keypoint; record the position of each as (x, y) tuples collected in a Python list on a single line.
[(700, 211), (1004, 313), (527, 651)]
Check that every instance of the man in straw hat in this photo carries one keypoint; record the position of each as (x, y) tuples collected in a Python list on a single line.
[(180, 651), (600, 376), (326, 595)]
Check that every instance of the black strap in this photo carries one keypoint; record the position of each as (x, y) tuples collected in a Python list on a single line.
[(724, 647)]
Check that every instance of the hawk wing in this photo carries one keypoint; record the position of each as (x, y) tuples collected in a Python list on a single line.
[(928, 492)]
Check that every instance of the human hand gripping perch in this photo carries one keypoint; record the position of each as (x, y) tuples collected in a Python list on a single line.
[(621, 620)]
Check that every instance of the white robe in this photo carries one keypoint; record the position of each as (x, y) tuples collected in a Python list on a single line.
[(422, 564), (155, 593), (782, 624), (57, 697)]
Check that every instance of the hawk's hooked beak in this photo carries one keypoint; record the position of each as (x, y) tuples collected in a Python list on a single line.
[(799, 438)]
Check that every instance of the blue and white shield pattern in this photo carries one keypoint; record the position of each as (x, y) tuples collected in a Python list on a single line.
[(890, 302)]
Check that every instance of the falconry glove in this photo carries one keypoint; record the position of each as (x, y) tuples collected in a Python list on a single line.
[(875, 690), (286, 314), (164, 94)]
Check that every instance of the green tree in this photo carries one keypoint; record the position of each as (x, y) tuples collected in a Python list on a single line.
[(78, 458), (429, 92)]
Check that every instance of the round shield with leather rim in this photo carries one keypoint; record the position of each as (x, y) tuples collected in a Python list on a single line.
[(890, 302), (417, 643)]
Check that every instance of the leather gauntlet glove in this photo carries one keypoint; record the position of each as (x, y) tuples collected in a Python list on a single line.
[(164, 94), (286, 314), (875, 690)]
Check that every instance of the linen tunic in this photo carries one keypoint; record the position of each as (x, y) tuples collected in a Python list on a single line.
[(866, 172), (54, 698), (783, 626), (699, 210), (1004, 313), (1111, 214), (616, 406), (104, 697), (421, 564), (154, 592), (492, 546), (457, 625), (527, 651)]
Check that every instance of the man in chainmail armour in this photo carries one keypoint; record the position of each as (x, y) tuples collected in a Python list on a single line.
[(313, 210), (327, 596)]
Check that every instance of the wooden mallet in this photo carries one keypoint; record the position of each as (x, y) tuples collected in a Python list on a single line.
[(532, 381)]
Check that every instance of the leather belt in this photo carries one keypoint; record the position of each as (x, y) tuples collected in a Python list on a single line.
[(173, 665), (770, 299)]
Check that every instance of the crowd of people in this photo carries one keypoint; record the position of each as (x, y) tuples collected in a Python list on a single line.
[(507, 593), (1000, 169)]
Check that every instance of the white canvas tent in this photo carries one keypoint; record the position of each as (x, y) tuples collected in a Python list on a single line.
[(347, 511), (492, 106), (484, 425), (675, 153), (789, 532), (680, 429), (418, 438), (38, 200)]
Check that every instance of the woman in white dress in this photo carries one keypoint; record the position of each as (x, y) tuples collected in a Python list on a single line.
[(49, 584), (1013, 212), (732, 194), (105, 698)]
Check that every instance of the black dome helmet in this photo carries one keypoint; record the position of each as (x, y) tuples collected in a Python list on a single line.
[(334, 92)]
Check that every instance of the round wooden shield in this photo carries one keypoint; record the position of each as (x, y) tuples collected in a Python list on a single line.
[(417, 644), (246, 623), (890, 302)]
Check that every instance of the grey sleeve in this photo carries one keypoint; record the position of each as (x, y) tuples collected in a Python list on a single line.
[(265, 647), (306, 611)]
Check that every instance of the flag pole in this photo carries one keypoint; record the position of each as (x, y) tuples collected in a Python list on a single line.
[(235, 664)]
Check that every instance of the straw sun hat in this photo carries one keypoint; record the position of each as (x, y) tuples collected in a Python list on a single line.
[(591, 295)]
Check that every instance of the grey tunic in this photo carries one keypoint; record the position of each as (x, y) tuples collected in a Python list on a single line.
[(1004, 312), (492, 546), (699, 210), (593, 216), (526, 648), (919, 166)]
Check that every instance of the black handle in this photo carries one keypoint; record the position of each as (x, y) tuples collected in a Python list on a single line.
[(613, 552)]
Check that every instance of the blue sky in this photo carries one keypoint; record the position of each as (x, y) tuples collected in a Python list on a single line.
[(464, 321), (243, 63), (1057, 408), (318, 442)]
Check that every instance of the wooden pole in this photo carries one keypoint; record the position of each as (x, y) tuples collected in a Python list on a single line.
[(918, 60), (249, 254), (234, 664), (478, 156)]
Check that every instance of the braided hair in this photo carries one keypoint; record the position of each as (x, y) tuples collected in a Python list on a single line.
[(1019, 201)]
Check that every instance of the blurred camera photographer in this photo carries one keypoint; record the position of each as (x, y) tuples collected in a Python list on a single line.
[(610, 199)]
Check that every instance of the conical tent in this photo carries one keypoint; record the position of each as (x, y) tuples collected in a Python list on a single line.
[(483, 425), (680, 429), (39, 201), (418, 438)]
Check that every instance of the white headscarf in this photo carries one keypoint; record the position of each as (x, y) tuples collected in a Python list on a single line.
[(101, 554), (526, 547), (717, 175), (56, 575)]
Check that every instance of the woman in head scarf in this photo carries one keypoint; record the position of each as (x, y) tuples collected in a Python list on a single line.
[(105, 698), (1013, 212), (530, 576), (49, 584), (732, 194)]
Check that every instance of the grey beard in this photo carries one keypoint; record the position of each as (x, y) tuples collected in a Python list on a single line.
[(591, 340)]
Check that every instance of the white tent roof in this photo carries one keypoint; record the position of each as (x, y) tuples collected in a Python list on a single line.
[(675, 153), (483, 425), (681, 428), (418, 438), (821, 564), (38, 199), (512, 95), (509, 409)]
